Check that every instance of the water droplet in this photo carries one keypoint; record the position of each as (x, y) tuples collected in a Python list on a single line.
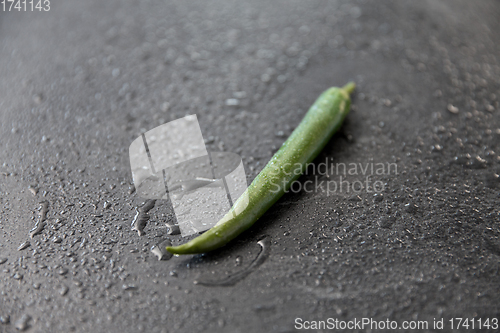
[(232, 102), (22, 323), (23, 246), (173, 229), (40, 224), (355, 12), (128, 287), (452, 109), (63, 290), (265, 77), (280, 134), (160, 250)]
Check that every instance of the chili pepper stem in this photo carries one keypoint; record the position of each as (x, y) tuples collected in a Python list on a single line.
[(349, 88)]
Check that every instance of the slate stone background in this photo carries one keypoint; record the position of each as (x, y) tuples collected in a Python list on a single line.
[(78, 83)]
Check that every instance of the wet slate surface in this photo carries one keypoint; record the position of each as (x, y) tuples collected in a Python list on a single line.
[(80, 82)]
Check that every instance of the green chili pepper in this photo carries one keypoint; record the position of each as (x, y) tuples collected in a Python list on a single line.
[(319, 124)]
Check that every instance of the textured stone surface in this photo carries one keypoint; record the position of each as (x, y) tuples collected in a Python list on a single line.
[(80, 82)]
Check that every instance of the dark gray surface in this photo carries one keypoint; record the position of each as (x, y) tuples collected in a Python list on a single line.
[(79, 83)]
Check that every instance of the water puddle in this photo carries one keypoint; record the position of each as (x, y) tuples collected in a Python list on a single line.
[(232, 279), (141, 217)]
